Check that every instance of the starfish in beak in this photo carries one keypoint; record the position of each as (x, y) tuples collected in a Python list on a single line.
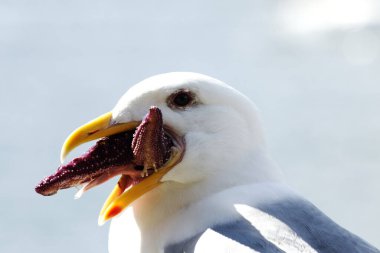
[(141, 152)]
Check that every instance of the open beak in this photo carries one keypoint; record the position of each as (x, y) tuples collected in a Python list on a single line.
[(120, 197)]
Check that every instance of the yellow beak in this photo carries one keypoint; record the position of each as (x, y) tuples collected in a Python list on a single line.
[(119, 199), (95, 129)]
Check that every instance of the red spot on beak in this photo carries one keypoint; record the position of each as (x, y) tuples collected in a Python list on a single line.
[(114, 211)]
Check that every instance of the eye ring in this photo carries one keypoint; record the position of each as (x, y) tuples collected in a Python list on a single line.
[(181, 99)]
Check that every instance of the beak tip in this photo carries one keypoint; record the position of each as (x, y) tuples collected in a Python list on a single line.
[(62, 157), (101, 221), (64, 152)]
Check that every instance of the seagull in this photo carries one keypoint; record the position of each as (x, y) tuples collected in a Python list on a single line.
[(195, 175)]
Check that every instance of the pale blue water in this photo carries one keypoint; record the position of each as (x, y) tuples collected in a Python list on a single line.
[(63, 63)]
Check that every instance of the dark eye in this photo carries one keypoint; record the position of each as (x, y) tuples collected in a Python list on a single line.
[(181, 99)]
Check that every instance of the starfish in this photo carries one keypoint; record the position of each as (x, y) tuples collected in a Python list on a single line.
[(134, 154)]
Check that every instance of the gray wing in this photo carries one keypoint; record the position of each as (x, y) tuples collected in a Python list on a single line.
[(315, 228), (309, 224), (240, 231)]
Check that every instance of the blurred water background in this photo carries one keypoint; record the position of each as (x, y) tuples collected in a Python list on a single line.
[(312, 67)]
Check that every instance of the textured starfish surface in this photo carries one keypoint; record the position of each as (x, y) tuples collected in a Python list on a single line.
[(150, 144), (134, 154)]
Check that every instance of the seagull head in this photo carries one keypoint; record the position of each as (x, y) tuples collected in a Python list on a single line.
[(211, 137), (220, 126)]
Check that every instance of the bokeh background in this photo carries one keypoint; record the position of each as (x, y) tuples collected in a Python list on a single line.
[(312, 67)]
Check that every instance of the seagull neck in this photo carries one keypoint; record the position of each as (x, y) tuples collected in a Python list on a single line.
[(172, 197)]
